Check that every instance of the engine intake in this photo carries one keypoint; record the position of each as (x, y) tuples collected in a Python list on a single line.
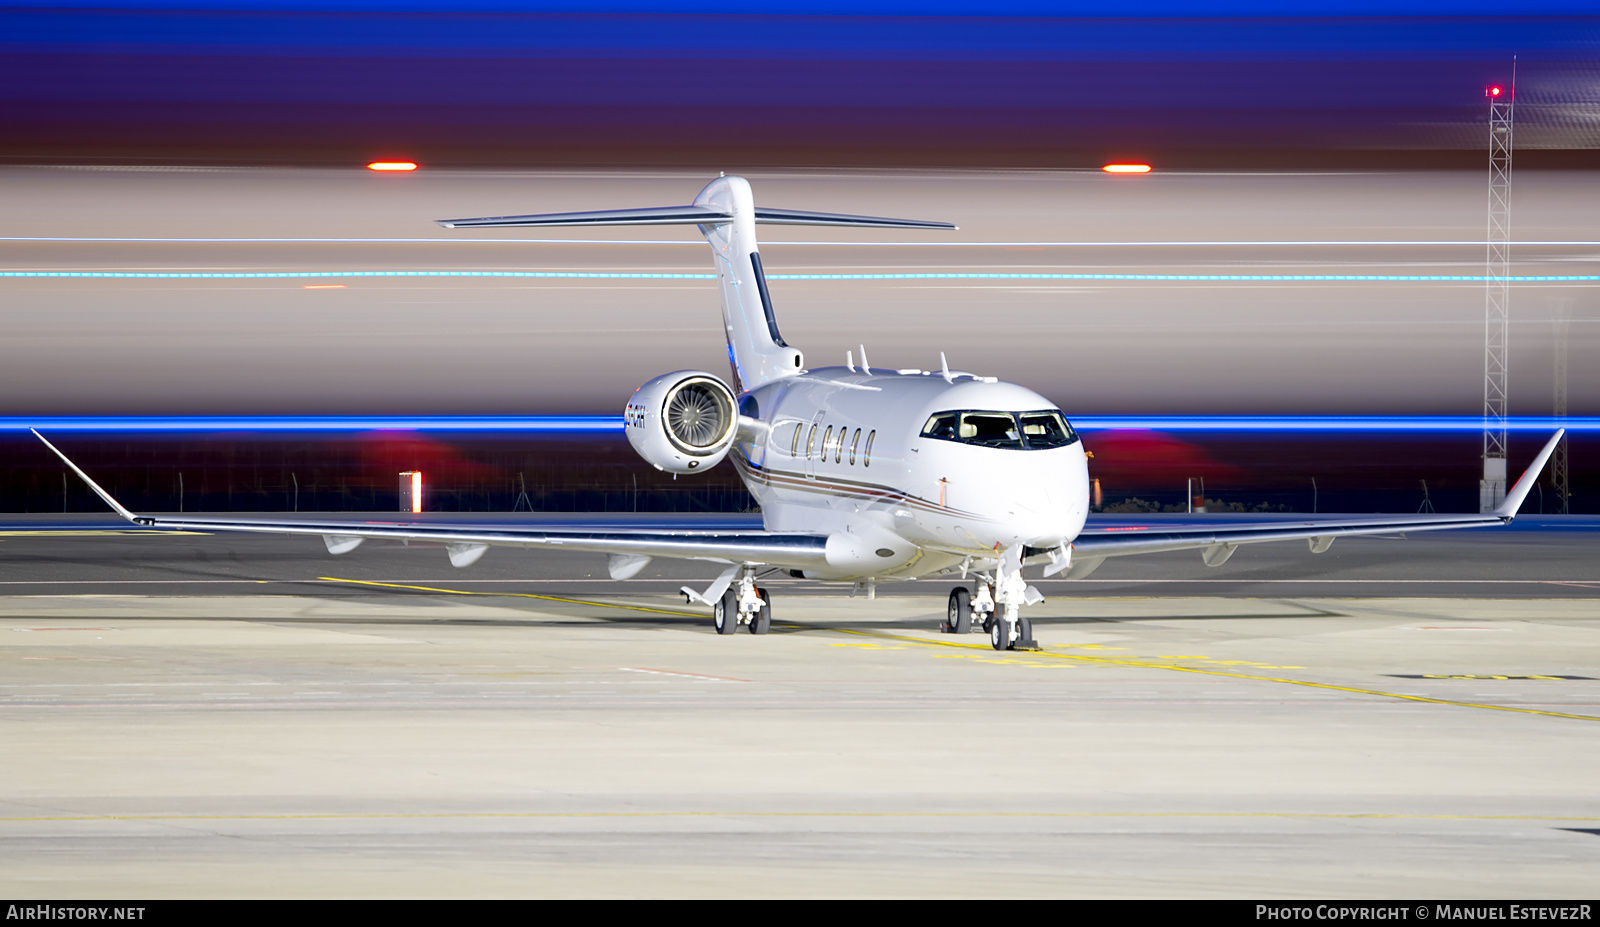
[(682, 422)]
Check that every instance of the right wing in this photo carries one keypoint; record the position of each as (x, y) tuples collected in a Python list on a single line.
[(1219, 541)]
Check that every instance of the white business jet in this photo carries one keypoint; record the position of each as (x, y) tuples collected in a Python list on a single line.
[(863, 475)]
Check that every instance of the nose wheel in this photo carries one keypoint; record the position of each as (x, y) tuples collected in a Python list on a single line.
[(1000, 634), (1011, 635)]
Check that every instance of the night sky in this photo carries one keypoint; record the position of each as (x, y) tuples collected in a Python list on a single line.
[(803, 83)]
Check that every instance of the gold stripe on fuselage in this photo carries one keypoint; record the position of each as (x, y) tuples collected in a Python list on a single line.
[(837, 488)]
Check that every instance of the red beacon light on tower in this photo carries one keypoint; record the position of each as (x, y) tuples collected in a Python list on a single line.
[(1494, 92)]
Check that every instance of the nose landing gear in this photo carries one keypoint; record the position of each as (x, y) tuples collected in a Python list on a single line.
[(1011, 630), (997, 605)]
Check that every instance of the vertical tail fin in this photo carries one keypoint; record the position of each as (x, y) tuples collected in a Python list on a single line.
[(756, 349), (727, 216)]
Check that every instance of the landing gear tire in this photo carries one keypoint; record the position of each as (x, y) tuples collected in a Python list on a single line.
[(725, 613), (1025, 632), (958, 620), (1000, 634), (761, 621)]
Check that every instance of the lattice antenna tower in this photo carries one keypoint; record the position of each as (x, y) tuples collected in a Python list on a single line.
[(1558, 461), (1497, 298)]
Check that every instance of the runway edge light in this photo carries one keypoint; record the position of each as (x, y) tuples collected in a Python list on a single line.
[(1126, 168), (392, 166)]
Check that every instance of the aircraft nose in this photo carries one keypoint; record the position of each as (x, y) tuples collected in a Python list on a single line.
[(1057, 514), (1045, 501), (1047, 522)]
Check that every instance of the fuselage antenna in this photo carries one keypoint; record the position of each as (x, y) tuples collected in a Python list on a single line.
[(944, 368), (865, 367)]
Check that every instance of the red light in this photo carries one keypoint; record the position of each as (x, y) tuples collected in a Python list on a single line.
[(392, 166), (1126, 168), (1494, 91)]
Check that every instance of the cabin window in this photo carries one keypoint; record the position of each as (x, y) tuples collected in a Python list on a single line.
[(811, 441), (854, 443), (827, 442), (794, 446), (866, 456)]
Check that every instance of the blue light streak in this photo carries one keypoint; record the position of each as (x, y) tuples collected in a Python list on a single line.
[(658, 275), (382, 241), (1330, 423), (606, 424), (1227, 278), (340, 274), (559, 424)]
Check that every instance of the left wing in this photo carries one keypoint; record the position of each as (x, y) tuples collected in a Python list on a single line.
[(466, 543), (1219, 542)]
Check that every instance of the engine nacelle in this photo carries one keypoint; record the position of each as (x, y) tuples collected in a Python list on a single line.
[(682, 422)]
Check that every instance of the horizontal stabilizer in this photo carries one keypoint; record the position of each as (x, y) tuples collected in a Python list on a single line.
[(765, 216), (658, 215), (688, 215)]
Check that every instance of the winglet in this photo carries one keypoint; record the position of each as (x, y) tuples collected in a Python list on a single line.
[(92, 484), (1519, 492)]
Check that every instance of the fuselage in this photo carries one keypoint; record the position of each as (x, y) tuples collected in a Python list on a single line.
[(925, 470)]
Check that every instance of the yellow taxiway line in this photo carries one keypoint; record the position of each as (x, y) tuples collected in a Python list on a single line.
[(1031, 655), (1145, 664), (514, 595)]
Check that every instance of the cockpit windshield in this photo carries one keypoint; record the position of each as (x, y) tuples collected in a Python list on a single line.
[(1011, 430)]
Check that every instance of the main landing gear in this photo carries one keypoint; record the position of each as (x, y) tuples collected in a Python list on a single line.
[(743, 603), (996, 606), (958, 620)]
